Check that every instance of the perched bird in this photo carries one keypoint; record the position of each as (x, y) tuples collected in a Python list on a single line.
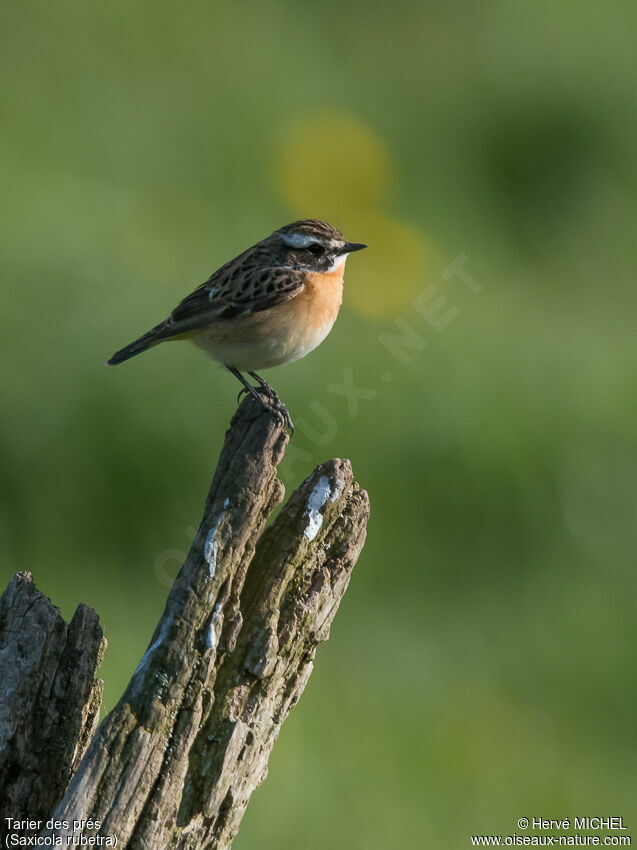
[(272, 304)]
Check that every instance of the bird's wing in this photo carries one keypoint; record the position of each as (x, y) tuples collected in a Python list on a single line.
[(236, 289)]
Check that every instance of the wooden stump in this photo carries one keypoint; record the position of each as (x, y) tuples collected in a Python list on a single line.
[(173, 765)]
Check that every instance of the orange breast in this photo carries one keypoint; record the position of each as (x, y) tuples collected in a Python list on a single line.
[(322, 297)]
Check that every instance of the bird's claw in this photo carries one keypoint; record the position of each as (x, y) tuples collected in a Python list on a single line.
[(281, 410), (269, 399)]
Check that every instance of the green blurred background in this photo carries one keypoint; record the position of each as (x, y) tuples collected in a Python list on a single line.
[(482, 664)]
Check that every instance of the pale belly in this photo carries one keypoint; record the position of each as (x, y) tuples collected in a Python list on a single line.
[(253, 348)]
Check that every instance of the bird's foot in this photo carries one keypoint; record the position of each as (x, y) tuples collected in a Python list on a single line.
[(270, 400), (282, 411)]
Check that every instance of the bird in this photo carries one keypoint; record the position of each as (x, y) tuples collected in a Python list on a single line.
[(270, 305)]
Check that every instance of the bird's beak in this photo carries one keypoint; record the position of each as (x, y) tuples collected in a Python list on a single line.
[(350, 247)]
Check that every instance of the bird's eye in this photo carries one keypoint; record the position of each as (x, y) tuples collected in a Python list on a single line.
[(315, 248)]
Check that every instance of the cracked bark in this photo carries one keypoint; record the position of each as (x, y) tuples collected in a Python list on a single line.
[(49, 699), (174, 763)]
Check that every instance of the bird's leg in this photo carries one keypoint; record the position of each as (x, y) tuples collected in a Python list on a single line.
[(247, 388), (273, 401), (265, 386)]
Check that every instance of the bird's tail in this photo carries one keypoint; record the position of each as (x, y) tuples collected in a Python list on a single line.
[(137, 346)]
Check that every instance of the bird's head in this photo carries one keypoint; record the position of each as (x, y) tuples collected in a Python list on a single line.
[(311, 245)]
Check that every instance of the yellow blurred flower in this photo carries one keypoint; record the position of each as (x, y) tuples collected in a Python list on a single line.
[(383, 280), (330, 165), (333, 162)]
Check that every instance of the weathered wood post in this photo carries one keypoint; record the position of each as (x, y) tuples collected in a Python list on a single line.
[(173, 765)]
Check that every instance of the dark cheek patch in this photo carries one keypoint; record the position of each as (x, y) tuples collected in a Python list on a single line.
[(328, 261)]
